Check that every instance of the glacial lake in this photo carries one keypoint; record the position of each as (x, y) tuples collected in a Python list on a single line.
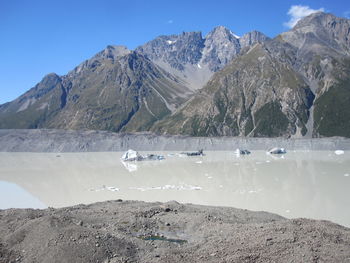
[(310, 184)]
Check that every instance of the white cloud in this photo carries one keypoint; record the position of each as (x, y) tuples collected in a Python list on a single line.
[(347, 14), (297, 12), (170, 21)]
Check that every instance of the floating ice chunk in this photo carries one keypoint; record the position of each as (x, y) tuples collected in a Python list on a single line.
[(199, 66), (346, 175), (339, 152), (167, 187), (199, 162), (240, 151), (268, 161), (170, 42), (221, 186), (112, 188), (131, 155), (277, 150), (109, 188), (210, 177), (287, 211), (196, 188)]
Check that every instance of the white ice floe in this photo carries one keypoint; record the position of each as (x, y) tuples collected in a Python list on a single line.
[(167, 187), (246, 191), (104, 188), (170, 42), (339, 152), (131, 155), (346, 175), (239, 152), (199, 66), (277, 150), (112, 188)]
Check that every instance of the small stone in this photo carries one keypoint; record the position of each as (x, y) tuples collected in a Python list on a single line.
[(167, 224), (157, 256), (269, 239), (119, 200), (167, 209), (97, 244)]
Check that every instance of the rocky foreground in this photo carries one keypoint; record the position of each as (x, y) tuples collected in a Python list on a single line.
[(132, 231)]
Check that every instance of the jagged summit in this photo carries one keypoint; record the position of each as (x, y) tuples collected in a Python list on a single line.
[(112, 52), (222, 30), (194, 58)]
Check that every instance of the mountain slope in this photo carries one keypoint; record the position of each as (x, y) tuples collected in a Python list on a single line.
[(254, 95), (116, 90), (318, 47), (294, 85)]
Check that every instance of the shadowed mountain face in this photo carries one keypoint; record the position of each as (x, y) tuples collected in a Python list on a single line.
[(296, 84)]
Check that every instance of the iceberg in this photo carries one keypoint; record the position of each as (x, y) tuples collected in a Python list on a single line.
[(277, 150)]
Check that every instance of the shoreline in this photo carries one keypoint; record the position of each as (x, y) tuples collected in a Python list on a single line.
[(44, 140), (135, 231)]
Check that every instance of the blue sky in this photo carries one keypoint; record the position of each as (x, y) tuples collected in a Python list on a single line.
[(43, 36)]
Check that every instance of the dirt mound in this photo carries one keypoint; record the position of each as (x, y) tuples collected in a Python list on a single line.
[(131, 231)]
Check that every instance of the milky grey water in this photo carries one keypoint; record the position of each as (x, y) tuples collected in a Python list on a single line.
[(298, 184)]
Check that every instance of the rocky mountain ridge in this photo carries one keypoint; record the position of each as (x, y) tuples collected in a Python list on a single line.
[(194, 58), (296, 84)]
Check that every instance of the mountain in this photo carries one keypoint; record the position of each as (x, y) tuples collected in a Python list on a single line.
[(193, 58), (255, 95), (318, 47), (296, 84), (116, 90)]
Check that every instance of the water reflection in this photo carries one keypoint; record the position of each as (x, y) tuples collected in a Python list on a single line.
[(298, 184)]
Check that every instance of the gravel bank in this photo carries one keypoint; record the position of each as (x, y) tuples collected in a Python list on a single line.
[(97, 141), (132, 231)]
